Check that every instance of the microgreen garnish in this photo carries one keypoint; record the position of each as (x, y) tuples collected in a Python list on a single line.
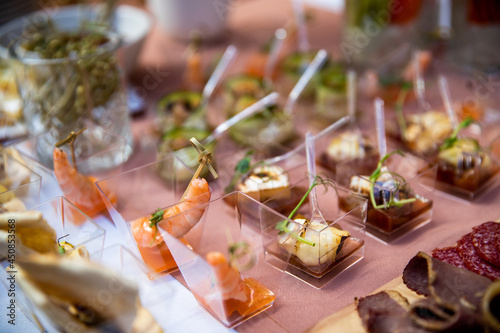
[(240, 250), (398, 107), (60, 244), (449, 142), (282, 226), (155, 218), (397, 182), (241, 168)]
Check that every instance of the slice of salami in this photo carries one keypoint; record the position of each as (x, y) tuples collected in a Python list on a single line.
[(473, 261), (485, 238), (449, 255)]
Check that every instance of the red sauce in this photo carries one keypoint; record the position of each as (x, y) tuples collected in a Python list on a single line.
[(259, 298), (158, 258)]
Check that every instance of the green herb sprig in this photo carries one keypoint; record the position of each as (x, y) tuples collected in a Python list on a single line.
[(399, 179), (282, 226), (398, 107), (155, 218), (60, 245), (241, 168), (449, 142)]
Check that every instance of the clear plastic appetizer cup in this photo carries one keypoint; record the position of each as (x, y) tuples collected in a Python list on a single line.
[(74, 227), (132, 268), (466, 169), (260, 176), (240, 284), (346, 146), (19, 185), (138, 193), (332, 247), (402, 194)]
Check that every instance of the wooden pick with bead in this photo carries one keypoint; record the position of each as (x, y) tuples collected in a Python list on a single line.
[(205, 159), (70, 139)]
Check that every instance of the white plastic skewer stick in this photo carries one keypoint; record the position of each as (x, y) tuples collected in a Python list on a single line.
[(298, 10), (253, 109), (445, 95), (316, 215), (223, 64), (330, 129), (418, 82), (312, 69), (351, 95), (272, 59), (378, 104)]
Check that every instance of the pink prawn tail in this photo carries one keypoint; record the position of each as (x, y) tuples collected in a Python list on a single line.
[(228, 278), (77, 188), (178, 220)]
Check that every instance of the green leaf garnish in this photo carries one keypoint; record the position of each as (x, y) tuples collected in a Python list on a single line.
[(155, 218), (376, 175), (398, 107), (449, 142), (60, 244), (282, 226), (241, 168)]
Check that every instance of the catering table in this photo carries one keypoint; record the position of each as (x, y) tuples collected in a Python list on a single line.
[(298, 306)]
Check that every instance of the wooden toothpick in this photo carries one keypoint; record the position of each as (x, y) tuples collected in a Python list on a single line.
[(70, 139), (205, 158)]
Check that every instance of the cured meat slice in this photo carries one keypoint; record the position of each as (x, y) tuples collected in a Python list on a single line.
[(444, 282), (449, 255), (386, 312), (473, 261), (486, 240)]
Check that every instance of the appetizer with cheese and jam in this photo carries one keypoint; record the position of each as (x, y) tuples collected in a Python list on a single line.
[(263, 182), (392, 202), (463, 163), (350, 147)]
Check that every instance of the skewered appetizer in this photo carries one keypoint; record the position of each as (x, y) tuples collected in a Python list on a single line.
[(77, 188), (423, 133), (463, 163), (392, 203), (263, 182), (271, 126), (353, 148), (316, 245), (327, 89), (328, 242), (176, 220), (185, 119), (150, 243)]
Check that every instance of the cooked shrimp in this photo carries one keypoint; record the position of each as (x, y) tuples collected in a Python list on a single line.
[(77, 188), (173, 221), (228, 278)]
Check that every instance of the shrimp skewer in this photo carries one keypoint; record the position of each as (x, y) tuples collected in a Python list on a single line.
[(228, 279), (174, 220), (78, 188)]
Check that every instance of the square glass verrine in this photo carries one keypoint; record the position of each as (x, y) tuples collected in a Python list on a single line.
[(319, 249), (399, 195), (226, 267), (73, 226), (19, 185), (137, 195)]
